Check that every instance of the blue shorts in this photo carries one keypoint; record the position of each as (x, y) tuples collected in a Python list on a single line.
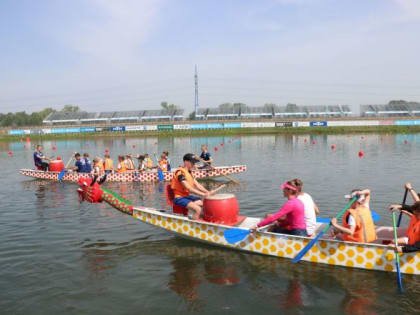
[(184, 201)]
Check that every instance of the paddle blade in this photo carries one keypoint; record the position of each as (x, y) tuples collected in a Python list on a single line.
[(160, 175), (61, 175), (235, 235), (307, 247), (323, 220), (375, 216)]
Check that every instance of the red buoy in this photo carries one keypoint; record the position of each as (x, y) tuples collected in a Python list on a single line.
[(406, 141), (106, 151), (54, 147), (313, 142), (305, 140), (222, 144), (332, 147), (216, 148), (134, 146), (27, 139), (361, 154), (58, 157), (10, 153)]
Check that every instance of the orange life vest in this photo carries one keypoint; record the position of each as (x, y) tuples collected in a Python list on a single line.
[(149, 162), (108, 165), (163, 165), (176, 185), (365, 229), (101, 166), (121, 168), (413, 231)]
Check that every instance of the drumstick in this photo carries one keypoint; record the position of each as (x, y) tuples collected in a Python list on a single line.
[(217, 189)]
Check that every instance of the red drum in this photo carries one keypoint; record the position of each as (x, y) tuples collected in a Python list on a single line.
[(222, 208), (56, 166)]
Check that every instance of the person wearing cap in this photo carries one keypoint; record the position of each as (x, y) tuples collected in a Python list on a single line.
[(357, 224), (293, 209), (183, 184)]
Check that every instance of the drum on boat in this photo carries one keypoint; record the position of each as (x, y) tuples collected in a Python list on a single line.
[(221, 208), (56, 166)]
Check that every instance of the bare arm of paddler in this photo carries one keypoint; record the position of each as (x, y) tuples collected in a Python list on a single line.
[(413, 193), (200, 187), (341, 228)]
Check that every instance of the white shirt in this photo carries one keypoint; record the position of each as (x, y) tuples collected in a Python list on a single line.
[(310, 215)]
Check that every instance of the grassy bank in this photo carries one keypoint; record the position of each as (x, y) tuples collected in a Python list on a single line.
[(224, 132)]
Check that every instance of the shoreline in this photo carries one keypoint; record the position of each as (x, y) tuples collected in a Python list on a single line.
[(321, 130)]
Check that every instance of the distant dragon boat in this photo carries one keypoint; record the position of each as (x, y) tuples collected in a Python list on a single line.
[(135, 176), (210, 230)]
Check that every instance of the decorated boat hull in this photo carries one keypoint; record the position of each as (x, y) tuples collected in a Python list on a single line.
[(369, 256), (135, 176)]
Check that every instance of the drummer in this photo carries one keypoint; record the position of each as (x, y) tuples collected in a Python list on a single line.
[(38, 157), (183, 184)]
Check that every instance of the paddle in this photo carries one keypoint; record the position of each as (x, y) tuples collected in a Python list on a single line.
[(217, 189), (235, 235), (397, 257), (63, 172), (403, 204), (213, 168), (312, 243), (375, 217)]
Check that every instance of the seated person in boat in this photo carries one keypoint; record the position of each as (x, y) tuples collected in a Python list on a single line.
[(183, 184), (168, 160), (121, 168), (129, 164), (108, 164), (163, 163), (293, 210), (205, 157), (407, 208), (142, 165), (357, 224), (311, 209), (79, 165), (98, 171), (411, 242), (149, 162), (88, 163), (39, 157)]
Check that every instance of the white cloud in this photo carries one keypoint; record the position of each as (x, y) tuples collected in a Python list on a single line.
[(410, 8)]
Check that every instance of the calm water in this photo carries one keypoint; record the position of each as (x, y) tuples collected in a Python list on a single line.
[(60, 256)]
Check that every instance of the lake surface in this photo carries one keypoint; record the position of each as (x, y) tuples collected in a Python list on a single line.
[(60, 256)]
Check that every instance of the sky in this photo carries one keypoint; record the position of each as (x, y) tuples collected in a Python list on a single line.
[(105, 55)]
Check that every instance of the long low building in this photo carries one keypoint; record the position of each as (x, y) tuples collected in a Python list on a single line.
[(117, 117), (394, 109)]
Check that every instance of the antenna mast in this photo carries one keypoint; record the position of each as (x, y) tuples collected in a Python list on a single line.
[(196, 92)]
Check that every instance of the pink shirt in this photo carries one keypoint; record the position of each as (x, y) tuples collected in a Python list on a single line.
[(295, 215)]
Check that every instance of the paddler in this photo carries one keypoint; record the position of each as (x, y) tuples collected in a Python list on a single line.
[(205, 157), (311, 209), (129, 164), (168, 160), (163, 163), (108, 164), (357, 224), (142, 165), (148, 161), (39, 157), (183, 184), (411, 241), (98, 171), (121, 165), (293, 210), (88, 163), (79, 165)]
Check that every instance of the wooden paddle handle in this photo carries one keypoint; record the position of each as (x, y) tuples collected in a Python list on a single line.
[(217, 189)]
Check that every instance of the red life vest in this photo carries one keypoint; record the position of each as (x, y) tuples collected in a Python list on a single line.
[(413, 231)]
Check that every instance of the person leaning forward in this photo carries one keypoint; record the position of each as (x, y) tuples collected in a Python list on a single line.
[(183, 184)]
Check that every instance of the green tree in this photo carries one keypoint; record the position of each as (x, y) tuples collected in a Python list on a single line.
[(70, 108), (169, 107)]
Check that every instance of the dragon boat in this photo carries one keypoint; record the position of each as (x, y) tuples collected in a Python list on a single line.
[(135, 176), (211, 230)]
